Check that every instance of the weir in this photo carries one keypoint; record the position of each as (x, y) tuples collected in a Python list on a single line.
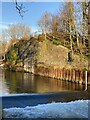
[(22, 100)]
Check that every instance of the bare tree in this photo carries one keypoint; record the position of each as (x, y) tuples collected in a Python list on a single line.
[(54, 23), (3, 43), (84, 20), (45, 22), (67, 21), (18, 31)]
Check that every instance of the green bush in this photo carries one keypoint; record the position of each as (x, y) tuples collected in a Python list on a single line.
[(13, 57), (56, 42)]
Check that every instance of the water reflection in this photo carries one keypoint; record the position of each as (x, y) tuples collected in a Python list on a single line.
[(18, 82), (3, 84)]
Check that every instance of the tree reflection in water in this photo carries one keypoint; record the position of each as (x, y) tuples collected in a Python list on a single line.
[(19, 82)]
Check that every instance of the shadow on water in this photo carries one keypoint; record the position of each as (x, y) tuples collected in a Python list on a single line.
[(19, 82)]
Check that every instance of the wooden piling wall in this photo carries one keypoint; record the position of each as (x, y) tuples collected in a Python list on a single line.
[(89, 77), (72, 75)]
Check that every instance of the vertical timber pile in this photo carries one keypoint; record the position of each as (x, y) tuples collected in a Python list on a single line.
[(72, 75), (89, 77), (86, 81), (81, 77)]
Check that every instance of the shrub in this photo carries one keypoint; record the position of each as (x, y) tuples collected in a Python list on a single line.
[(13, 57), (56, 42)]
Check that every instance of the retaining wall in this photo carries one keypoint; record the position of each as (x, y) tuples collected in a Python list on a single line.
[(72, 75)]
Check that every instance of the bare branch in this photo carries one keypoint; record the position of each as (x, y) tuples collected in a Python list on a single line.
[(20, 8)]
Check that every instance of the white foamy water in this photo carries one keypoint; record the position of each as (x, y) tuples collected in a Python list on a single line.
[(73, 109)]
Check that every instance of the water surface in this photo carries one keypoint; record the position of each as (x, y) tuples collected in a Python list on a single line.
[(19, 82)]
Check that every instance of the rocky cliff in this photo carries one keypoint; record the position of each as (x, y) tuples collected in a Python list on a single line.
[(34, 52)]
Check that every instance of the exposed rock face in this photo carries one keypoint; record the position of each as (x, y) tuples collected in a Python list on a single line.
[(27, 50), (57, 56), (37, 53)]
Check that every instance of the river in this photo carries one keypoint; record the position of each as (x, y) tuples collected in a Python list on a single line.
[(20, 82)]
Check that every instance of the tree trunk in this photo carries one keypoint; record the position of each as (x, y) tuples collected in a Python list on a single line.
[(89, 33), (83, 21), (71, 41)]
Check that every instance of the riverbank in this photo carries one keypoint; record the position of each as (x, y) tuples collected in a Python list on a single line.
[(47, 59), (70, 75)]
